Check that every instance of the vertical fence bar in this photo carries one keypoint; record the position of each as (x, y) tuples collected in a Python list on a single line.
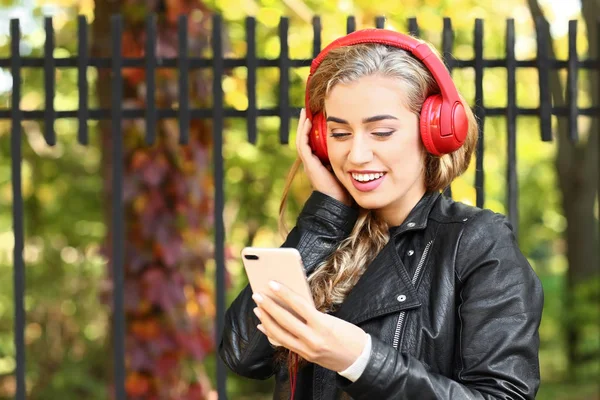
[(350, 24), (380, 22), (49, 83), (572, 82), (316, 23), (18, 229), (183, 68), (252, 67), (118, 256), (284, 82), (150, 61), (217, 115), (479, 111), (511, 127), (413, 27), (447, 45), (543, 62), (82, 85)]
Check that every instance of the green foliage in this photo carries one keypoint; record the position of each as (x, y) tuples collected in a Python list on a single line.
[(67, 325), (67, 321)]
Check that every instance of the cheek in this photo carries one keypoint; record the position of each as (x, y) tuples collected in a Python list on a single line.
[(337, 155), (406, 157)]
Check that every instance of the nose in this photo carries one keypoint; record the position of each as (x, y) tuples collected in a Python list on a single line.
[(360, 152)]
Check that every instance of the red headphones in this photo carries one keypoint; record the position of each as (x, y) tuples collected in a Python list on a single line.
[(443, 123)]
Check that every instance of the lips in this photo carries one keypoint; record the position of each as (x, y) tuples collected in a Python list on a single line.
[(366, 181)]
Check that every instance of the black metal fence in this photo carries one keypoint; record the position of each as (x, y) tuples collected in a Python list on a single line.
[(218, 113)]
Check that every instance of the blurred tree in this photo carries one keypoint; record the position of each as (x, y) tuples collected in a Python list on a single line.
[(578, 171), (168, 208)]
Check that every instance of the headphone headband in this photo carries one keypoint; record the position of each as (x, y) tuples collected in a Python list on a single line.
[(419, 49)]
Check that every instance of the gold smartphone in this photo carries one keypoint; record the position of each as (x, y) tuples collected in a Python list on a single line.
[(281, 264)]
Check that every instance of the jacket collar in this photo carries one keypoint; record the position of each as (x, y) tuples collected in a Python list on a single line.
[(378, 290), (385, 286), (417, 217)]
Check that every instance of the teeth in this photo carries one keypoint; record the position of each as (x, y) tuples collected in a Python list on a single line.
[(367, 177)]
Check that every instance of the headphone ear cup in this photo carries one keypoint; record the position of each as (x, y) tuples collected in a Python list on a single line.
[(429, 122), (317, 138)]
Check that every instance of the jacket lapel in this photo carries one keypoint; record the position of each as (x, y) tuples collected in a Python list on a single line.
[(378, 290)]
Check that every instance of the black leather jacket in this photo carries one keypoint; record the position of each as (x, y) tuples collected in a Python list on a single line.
[(452, 306)]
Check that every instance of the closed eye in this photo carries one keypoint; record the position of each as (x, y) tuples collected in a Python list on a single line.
[(383, 134), (344, 134), (338, 134)]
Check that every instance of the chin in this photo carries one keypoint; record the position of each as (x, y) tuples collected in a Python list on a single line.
[(370, 201)]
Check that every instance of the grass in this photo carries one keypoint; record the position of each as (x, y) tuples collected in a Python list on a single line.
[(569, 391)]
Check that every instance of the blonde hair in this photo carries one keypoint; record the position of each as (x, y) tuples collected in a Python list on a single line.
[(333, 278)]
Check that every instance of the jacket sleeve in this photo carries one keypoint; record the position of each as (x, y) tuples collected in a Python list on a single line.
[(322, 224), (497, 343)]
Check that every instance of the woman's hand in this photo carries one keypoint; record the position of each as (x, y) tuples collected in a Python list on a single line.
[(320, 177), (321, 338)]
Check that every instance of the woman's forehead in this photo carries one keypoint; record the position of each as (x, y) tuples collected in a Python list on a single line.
[(365, 97)]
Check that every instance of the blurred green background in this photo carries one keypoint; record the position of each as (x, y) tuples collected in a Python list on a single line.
[(66, 212)]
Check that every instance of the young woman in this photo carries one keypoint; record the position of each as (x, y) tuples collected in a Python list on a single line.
[(417, 296)]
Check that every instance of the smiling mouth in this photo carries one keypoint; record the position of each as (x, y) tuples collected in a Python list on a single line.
[(363, 178)]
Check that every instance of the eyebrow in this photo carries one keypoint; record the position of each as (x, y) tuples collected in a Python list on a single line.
[(374, 118)]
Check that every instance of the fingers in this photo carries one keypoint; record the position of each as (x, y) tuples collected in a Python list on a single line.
[(263, 314), (302, 140), (296, 302), (283, 317), (276, 334)]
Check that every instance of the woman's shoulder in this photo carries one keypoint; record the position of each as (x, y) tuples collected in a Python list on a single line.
[(448, 210), (481, 234), (473, 226)]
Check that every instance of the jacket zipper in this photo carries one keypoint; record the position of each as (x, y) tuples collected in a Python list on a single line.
[(402, 315)]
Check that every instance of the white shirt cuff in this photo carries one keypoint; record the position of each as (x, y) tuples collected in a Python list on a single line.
[(353, 372)]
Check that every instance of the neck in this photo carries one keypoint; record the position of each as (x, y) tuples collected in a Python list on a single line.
[(394, 214)]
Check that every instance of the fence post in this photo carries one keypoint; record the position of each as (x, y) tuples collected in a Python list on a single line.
[(479, 112), (183, 66), (572, 79), (150, 61), (447, 46), (511, 128), (49, 83), (543, 61), (16, 116), (284, 82), (82, 83), (252, 67)]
